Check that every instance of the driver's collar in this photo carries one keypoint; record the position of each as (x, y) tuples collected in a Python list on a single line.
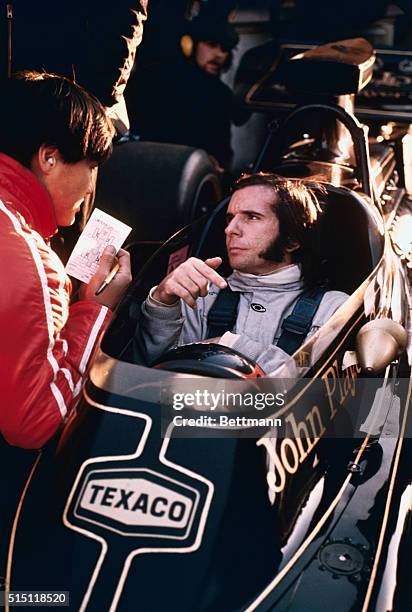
[(286, 278)]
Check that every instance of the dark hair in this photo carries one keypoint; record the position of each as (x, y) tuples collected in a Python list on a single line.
[(46, 109), (207, 27), (297, 209)]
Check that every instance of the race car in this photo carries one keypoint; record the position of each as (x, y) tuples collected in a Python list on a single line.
[(305, 508)]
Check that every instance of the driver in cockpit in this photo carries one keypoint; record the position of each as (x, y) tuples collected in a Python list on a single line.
[(275, 297)]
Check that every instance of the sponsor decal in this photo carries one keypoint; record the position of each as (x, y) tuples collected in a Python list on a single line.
[(286, 454), (137, 502)]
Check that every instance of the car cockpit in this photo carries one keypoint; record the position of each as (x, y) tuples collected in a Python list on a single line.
[(350, 232), (351, 246)]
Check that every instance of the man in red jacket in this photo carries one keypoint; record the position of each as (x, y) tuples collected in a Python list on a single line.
[(54, 134)]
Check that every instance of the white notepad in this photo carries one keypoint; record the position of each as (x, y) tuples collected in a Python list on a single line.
[(100, 231)]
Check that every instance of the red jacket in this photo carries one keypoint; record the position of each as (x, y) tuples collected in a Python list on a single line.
[(45, 345)]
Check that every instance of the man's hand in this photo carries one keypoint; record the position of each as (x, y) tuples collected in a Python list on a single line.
[(189, 281), (114, 291)]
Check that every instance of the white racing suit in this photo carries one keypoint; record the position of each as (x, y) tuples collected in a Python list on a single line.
[(265, 301)]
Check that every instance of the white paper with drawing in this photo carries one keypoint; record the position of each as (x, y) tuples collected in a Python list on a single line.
[(100, 231)]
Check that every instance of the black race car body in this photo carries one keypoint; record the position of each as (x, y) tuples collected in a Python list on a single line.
[(307, 507)]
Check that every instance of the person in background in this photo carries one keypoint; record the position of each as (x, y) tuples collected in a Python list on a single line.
[(168, 22), (183, 100), (54, 135)]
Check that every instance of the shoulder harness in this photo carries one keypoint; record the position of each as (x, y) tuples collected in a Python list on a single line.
[(223, 314)]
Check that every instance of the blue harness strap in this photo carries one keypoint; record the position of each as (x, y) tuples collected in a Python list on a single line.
[(223, 314), (297, 325)]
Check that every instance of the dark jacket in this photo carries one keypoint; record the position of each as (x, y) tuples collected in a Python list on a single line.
[(94, 42), (178, 102)]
